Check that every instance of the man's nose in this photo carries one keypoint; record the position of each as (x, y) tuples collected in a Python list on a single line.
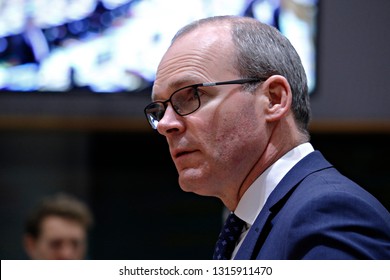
[(171, 122), (67, 252)]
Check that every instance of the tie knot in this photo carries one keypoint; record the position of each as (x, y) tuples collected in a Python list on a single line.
[(228, 237)]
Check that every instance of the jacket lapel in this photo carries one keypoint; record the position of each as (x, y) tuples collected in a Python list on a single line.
[(259, 230)]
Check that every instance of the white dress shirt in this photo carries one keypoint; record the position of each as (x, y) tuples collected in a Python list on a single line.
[(257, 194)]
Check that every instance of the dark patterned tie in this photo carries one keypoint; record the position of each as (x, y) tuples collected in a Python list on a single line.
[(228, 238)]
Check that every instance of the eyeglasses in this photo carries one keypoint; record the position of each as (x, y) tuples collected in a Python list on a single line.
[(185, 100)]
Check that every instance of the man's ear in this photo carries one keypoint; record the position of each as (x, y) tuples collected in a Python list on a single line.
[(29, 245), (278, 91)]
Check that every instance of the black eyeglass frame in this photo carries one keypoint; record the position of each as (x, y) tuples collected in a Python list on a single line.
[(195, 86)]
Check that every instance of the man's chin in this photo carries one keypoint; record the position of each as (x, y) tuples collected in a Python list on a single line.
[(194, 180), (197, 188)]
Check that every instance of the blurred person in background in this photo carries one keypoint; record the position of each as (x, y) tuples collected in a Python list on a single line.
[(57, 229)]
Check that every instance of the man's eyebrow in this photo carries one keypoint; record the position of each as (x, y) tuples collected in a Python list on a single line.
[(183, 82), (175, 85)]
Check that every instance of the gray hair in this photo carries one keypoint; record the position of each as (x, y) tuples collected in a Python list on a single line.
[(262, 51)]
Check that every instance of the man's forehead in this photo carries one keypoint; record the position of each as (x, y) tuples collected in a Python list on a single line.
[(191, 59)]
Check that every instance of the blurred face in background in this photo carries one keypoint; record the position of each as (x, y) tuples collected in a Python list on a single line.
[(59, 239)]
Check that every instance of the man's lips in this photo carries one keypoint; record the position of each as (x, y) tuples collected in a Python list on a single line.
[(181, 152)]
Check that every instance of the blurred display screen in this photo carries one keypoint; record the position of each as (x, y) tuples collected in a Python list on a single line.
[(116, 45)]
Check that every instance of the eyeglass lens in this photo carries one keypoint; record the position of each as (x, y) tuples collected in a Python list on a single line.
[(184, 102)]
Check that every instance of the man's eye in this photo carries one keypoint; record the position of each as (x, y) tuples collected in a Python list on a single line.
[(194, 95), (55, 244), (186, 95), (191, 94)]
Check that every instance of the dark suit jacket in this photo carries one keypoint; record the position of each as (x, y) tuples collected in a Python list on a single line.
[(317, 213)]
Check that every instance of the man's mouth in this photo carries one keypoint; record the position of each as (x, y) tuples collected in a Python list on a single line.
[(180, 153)]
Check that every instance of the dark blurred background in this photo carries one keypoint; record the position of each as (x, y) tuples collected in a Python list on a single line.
[(123, 170)]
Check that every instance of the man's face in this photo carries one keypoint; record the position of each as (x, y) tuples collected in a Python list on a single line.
[(60, 239), (214, 148)]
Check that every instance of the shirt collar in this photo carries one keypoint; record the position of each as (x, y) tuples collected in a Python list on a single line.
[(257, 194)]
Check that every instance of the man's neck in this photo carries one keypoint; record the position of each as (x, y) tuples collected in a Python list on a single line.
[(283, 139)]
